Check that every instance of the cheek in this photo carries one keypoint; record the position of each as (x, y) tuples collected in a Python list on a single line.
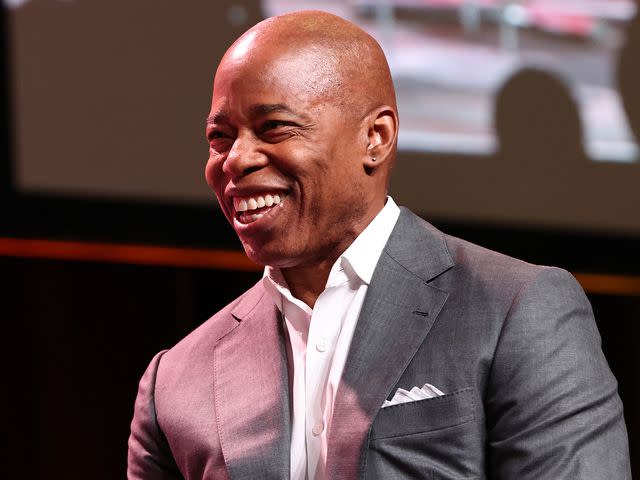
[(213, 172)]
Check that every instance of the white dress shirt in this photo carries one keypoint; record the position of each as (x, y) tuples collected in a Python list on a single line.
[(320, 340)]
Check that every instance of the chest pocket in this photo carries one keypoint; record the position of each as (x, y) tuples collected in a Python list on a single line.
[(434, 438), (425, 415)]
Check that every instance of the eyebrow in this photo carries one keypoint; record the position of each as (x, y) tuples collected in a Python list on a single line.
[(219, 117), (257, 111), (265, 109)]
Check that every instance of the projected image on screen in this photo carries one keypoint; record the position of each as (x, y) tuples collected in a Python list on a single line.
[(450, 57), (109, 100)]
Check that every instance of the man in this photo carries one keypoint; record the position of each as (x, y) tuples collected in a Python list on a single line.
[(360, 299)]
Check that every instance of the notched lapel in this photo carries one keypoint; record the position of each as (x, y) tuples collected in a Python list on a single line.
[(399, 310), (251, 394)]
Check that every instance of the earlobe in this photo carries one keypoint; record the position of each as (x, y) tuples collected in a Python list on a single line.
[(370, 164), (382, 134)]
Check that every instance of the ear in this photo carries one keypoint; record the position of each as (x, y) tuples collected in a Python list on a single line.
[(382, 135)]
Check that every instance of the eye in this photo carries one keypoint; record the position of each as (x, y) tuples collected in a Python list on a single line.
[(274, 124), (276, 130), (214, 134), (219, 140)]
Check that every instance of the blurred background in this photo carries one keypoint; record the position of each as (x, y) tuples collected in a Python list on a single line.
[(520, 123)]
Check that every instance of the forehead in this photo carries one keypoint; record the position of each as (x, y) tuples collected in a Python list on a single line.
[(301, 78)]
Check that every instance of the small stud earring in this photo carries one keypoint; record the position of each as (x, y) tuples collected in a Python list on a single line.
[(373, 159)]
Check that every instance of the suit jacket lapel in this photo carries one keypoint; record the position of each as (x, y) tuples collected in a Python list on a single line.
[(251, 392), (397, 314)]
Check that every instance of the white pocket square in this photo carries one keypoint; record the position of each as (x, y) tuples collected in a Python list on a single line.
[(404, 396)]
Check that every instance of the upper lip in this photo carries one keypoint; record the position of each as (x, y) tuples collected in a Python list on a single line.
[(250, 190)]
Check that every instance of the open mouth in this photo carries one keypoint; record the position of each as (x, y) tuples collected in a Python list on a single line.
[(253, 208)]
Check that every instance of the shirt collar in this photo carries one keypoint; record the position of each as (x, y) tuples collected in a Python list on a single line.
[(363, 254), (359, 259)]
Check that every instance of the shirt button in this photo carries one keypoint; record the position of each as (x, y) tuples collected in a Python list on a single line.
[(321, 346), (317, 428)]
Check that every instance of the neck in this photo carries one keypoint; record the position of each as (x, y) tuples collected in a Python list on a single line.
[(306, 283)]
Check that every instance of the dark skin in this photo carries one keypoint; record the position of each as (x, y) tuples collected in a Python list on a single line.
[(303, 108)]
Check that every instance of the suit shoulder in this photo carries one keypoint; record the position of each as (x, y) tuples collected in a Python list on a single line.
[(438, 258), (484, 264), (457, 265), (491, 274)]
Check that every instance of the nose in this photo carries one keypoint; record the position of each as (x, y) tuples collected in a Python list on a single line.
[(244, 156)]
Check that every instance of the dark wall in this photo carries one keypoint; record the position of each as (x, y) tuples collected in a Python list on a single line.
[(618, 320), (78, 336)]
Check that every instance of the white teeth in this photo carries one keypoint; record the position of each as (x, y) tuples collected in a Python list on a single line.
[(259, 201)]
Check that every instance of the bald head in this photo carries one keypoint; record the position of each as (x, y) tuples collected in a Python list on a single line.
[(345, 64)]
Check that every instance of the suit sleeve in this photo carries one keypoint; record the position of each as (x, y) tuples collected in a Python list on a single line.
[(149, 455), (552, 405)]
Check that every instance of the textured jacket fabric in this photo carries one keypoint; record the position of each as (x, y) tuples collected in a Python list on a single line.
[(514, 346)]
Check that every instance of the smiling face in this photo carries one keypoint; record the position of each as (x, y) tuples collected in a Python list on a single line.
[(285, 159), (302, 134)]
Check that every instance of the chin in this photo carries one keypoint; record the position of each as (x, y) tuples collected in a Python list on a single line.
[(256, 257), (269, 255), (260, 255)]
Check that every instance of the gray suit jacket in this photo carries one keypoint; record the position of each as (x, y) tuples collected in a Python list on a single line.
[(529, 394)]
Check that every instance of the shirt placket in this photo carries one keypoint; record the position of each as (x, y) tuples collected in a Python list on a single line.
[(325, 325)]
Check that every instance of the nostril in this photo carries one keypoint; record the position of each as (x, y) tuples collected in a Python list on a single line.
[(249, 170)]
